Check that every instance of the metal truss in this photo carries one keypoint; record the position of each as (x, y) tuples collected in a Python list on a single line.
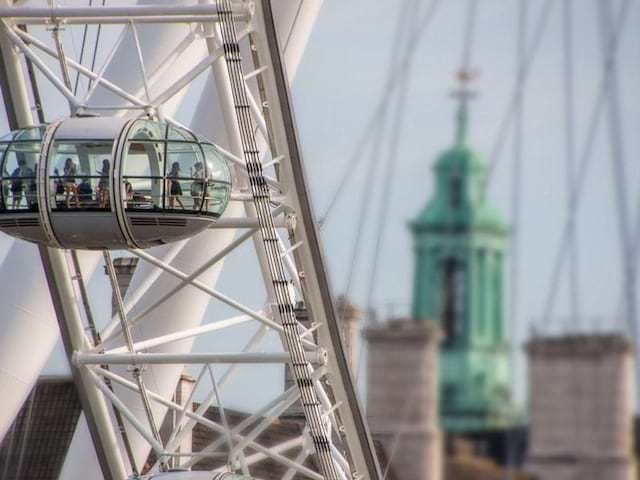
[(240, 37)]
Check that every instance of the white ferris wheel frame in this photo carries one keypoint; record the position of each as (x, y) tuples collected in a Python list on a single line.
[(350, 444)]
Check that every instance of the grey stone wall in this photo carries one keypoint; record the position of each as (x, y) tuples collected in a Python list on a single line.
[(581, 408), (402, 396)]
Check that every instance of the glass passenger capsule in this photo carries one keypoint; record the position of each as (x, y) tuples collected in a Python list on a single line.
[(109, 183)]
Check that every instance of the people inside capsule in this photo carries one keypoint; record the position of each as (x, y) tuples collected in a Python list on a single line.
[(69, 182), (85, 192), (198, 186), (160, 169), (175, 189), (103, 184), (32, 190), (17, 183)]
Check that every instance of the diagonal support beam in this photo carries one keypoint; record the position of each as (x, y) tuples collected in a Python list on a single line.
[(200, 270), (180, 335), (268, 452), (37, 61), (215, 294)]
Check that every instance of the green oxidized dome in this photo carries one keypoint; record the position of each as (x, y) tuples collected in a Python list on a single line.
[(459, 202)]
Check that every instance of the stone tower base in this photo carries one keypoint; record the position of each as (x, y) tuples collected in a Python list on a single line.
[(402, 405), (581, 408), (582, 468)]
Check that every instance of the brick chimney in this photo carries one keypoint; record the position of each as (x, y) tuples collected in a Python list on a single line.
[(349, 317), (581, 408), (125, 268), (183, 390)]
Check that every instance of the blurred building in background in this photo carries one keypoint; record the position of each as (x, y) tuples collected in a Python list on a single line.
[(581, 408), (402, 396), (460, 242)]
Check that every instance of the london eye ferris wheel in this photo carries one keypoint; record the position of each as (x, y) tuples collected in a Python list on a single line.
[(117, 171)]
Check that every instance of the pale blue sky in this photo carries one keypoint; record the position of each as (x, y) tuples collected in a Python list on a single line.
[(340, 82)]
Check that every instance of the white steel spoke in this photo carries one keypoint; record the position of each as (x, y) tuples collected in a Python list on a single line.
[(256, 72), (191, 75), (52, 77), (263, 425), (170, 444), (113, 328), (344, 465), (257, 113), (105, 64), (273, 162), (225, 424), (136, 103), (83, 70), (300, 459), (281, 448), (187, 78), (180, 49), (200, 270), (268, 452), (245, 222), (242, 166), (214, 293), (188, 403), (289, 263), (189, 358), (180, 335), (122, 408), (253, 342), (265, 410), (120, 14), (208, 401), (143, 71)]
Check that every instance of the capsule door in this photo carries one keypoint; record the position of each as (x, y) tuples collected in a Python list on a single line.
[(79, 190)]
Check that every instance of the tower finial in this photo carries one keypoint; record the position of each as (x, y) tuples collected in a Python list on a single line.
[(463, 94)]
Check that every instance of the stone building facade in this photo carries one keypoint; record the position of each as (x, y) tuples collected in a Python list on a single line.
[(402, 397), (581, 408)]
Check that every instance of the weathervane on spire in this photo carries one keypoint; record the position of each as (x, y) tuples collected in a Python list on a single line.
[(463, 94)]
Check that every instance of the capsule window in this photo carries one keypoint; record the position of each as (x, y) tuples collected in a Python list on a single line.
[(218, 181), (144, 175), (186, 176), (79, 176), (32, 133), (180, 135), (147, 130), (19, 165)]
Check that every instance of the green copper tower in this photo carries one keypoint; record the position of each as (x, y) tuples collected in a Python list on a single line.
[(460, 242)]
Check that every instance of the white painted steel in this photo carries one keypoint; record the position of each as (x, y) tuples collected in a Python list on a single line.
[(193, 476), (22, 278), (188, 358), (156, 43), (50, 14), (187, 308)]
